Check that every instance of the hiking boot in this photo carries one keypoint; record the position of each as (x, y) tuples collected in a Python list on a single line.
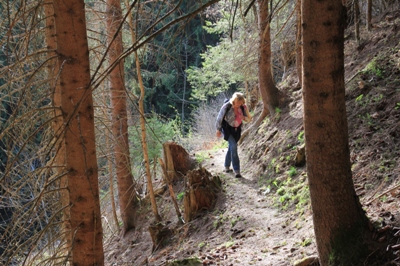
[(227, 170), (238, 175)]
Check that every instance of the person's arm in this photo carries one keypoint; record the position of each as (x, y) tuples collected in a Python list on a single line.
[(220, 117), (247, 116)]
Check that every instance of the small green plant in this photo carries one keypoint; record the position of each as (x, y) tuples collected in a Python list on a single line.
[(283, 199), (220, 220), (384, 198), (378, 98), (216, 224), (277, 169), (297, 225), (271, 165), (289, 134), (300, 137), (277, 113), (306, 242), (373, 68), (382, 168), (235, 220), (292, 192), (397, 106), (362, 100), (359, 98), (201, 156), (202, 244), (281, 191), (229, 244), (180, 195), (292, 171)]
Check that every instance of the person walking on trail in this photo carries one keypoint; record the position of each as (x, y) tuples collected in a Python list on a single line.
[(229, 123)]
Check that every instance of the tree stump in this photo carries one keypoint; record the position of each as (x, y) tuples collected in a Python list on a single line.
[(177, 161), (160, 235), (300, 158), (201, 192)]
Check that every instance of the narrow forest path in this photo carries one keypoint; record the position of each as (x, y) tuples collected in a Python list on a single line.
[(248, 229)]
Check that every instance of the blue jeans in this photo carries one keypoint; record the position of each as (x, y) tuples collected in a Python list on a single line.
[(232, 155)]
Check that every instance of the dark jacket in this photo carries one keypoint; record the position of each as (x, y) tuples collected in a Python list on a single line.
[(226, 115)]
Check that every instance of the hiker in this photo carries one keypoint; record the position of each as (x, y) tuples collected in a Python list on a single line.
[(229, 123)]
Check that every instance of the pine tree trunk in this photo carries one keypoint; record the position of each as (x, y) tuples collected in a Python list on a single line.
[(59, 160), (78, 118), (144, 145), (369, 15), (126, 185), (269, 92), (143, 125), (339, 221), (299, 58), (357, 20), (111, 180)]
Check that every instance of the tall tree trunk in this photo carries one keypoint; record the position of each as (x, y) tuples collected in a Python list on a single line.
[(59, 160), (339, 220), (357, 20), (78, 118), (369, 15), (126, 186), (299, 57), (185, 44), (144, 143), (110, 160), (143, 125), (269, 92)]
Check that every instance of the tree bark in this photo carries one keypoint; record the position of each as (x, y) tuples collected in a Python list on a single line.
[(171, 189), (177, 161), (78, 117), (269, 92), (339, 221), (143, 125), (201, 192), (126, 185), (111, 178), (357, 20), (299, 58), (144, 144), (57, 125), (369, 15)]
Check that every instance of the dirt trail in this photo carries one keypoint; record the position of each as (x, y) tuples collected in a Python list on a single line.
[(252, 231)]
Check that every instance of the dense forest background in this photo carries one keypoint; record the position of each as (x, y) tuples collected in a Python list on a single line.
[(192, 55)]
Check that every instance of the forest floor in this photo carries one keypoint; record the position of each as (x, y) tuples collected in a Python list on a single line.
[(265, 218)]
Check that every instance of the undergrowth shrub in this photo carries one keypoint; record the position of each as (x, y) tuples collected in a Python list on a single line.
[(158, 131), (203, 122)]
